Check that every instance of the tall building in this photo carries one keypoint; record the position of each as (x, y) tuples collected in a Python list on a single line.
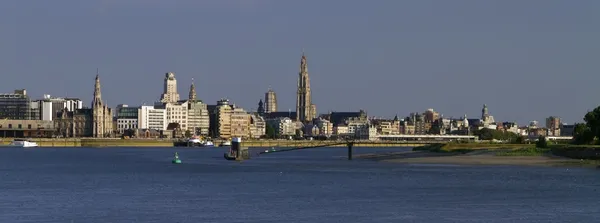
[(198, 117), (102, 119), (222, 119), (170, 94), (553, 124), (15, 105), (127, 118), (270, 101), (304, 107), (150, 117)]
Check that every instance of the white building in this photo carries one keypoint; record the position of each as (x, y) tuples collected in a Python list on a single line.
[(170, 94), (150, 117), (47, 108), (283, 126), (176, 113)]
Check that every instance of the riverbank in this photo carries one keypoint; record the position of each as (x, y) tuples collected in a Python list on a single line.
[(116, 142), (494, 154)]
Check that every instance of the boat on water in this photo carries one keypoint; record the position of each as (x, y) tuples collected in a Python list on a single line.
[(208, 144), (22, 143), (225, 143)]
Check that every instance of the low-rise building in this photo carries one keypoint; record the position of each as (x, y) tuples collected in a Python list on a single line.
[(26, 128), (283, 126), (127, 118)]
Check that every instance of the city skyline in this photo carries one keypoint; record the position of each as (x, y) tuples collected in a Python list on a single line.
[(520, 58)]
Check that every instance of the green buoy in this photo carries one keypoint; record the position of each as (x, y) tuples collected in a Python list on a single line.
[(176, 160)]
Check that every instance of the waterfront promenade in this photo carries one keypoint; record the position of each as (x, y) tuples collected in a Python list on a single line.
[(116, 142)]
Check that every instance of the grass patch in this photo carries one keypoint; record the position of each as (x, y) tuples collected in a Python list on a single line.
[(524, 152)]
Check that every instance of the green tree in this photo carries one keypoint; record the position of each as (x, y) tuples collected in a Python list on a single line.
[(582, 134), (188, 133), (541, 143), (520, 139), (270, 132)]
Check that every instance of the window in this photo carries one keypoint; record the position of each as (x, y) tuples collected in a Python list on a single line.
[(20, 126), (29, 126), (10, 126)]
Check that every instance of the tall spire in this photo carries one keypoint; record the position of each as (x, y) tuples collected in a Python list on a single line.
[(192, 95), (97, 94)]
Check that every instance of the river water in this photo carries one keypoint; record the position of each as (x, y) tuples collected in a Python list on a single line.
[(318, 185)]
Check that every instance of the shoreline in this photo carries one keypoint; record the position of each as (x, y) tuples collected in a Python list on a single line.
[(479, 157)]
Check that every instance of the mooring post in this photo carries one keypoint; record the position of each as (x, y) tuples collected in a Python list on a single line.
[(350, 150)]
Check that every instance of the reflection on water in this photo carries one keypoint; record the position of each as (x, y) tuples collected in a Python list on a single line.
[(318, 185)]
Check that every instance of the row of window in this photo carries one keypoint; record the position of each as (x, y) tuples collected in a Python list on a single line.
[(19, 126)]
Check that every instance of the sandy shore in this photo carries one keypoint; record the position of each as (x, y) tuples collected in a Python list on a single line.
[(483, 157)]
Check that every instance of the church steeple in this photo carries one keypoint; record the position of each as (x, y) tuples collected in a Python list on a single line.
[(97, 94), (192, 95)]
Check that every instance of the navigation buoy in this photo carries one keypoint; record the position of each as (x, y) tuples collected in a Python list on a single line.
[(176, 160)]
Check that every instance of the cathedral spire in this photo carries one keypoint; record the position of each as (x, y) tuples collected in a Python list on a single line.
[(192, 95), (97, 94)]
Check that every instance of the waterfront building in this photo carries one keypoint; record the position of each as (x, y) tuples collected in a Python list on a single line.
[(240, 123), (305, 110), (270, 101), (387, 126), (15, 106), (26, 128), (283, 126), (170, 94), (257, 126), (102, 115), (325, 127), (222, 119), (198, 119), (127, 118), (553, 124), (430, 115), (177, 112), (151, 118), (47, 108), (340, 130)]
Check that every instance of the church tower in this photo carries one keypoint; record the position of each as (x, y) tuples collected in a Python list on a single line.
[(304, 106), (192, 97), (101, 114)]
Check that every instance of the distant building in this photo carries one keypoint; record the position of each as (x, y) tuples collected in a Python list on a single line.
[(222, 120), (152, 118), (240, 123), (16, 106), (283, 126), (257, 126), (86, 122), (198, 118), (270, 101), (553, 124), (127, 118), (170, 94), (304, 106), (48, 107), (566, 130)]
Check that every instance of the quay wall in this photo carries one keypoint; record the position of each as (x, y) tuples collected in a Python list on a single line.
[(117, 142)]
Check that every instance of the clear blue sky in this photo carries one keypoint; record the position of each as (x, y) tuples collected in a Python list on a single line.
[(526, 59)]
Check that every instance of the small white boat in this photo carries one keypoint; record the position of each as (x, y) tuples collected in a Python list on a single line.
[(23, 143), (208, 144), (226, 143)]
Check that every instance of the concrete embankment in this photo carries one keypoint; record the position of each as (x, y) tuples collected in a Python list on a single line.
[(115, 142)]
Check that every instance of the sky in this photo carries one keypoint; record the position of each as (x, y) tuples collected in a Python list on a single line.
[(526, 60)]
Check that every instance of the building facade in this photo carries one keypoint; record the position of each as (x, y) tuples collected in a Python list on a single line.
[(127, 118), (222, 119), (304, 106), (102, 115), (47, 108), (16, 106), (270, 101), (198, 119), (170, 94), (152, 118)]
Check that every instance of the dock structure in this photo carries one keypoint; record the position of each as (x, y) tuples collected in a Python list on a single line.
[(237, 151)]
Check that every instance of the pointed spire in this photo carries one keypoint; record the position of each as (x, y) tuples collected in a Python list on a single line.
[(97, 101), (192, 96)]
